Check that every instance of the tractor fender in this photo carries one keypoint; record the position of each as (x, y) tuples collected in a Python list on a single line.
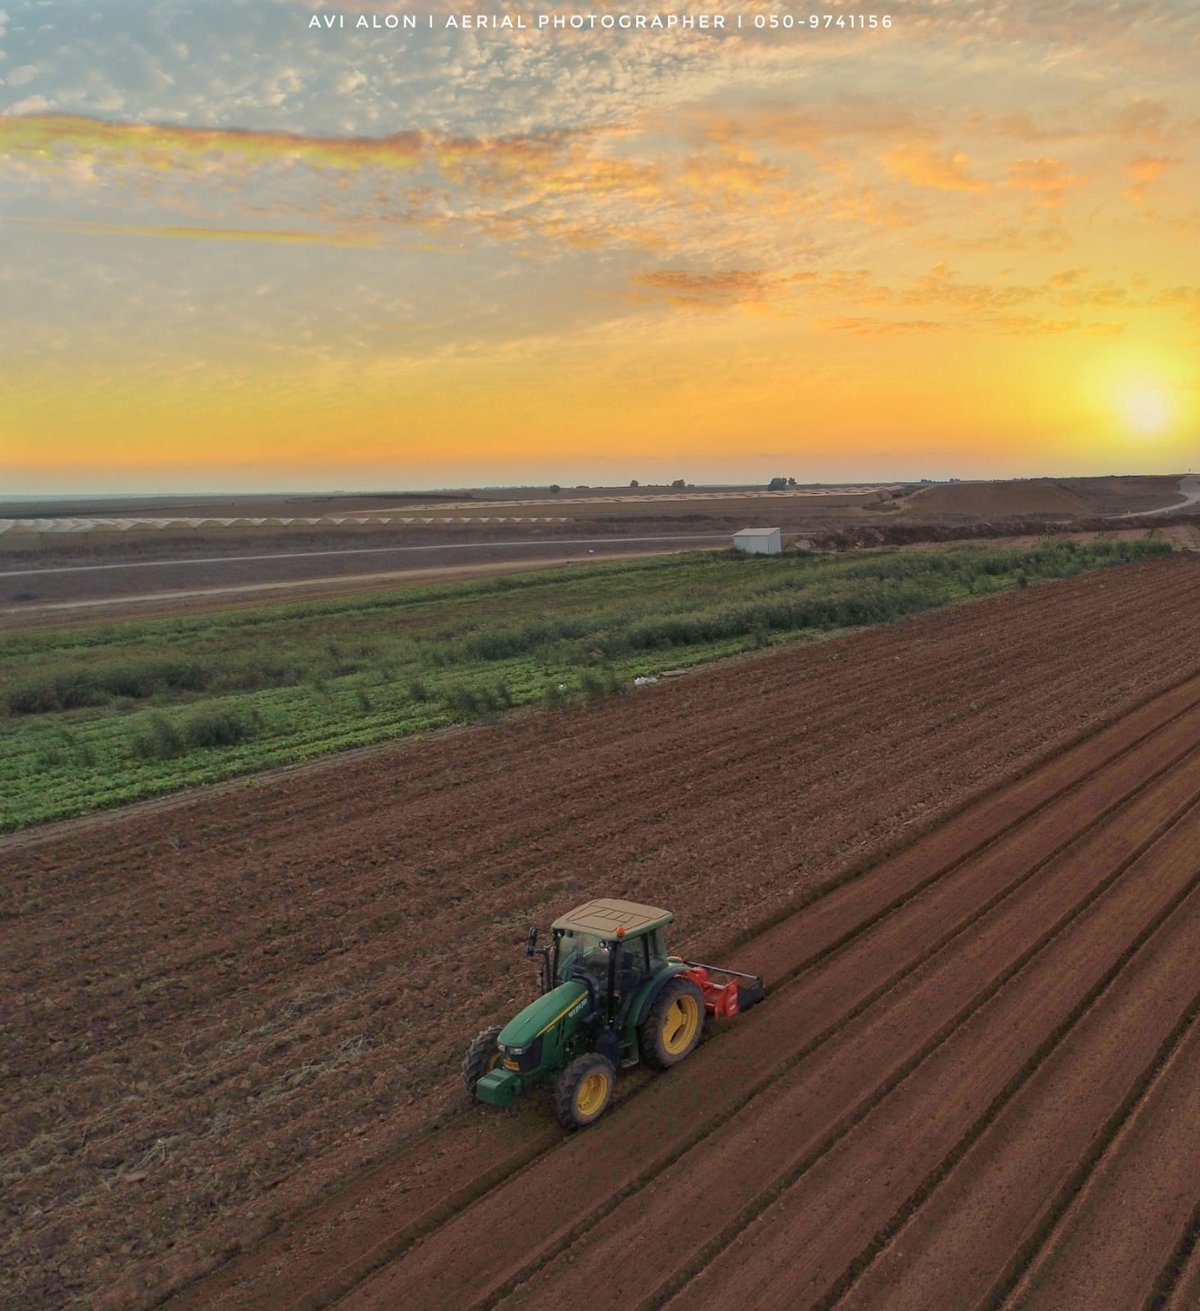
[(645, 998)]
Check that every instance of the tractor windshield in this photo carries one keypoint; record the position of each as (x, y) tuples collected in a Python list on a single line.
[(580, 953)]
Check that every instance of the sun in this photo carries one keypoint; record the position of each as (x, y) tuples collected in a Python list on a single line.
[(1146, 409)]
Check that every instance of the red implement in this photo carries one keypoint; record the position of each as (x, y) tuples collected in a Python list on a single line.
[(720, 999)]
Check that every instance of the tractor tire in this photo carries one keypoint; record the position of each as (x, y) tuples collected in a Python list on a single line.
[(584, 1090), (673, 1024), (482, 1055)]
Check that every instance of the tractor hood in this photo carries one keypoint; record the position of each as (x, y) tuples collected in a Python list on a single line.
[(543, 1014)]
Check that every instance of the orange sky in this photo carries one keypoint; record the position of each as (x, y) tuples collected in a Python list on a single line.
[(261, 255)]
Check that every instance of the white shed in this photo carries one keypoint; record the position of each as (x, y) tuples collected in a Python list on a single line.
[(759, 541)]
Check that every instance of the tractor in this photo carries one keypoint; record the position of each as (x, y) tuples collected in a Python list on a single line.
[(610, 997)]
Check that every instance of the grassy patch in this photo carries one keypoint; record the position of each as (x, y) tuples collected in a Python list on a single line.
[(116, 712)]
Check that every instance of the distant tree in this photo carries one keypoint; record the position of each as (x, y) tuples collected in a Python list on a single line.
[(633, 482), (679, 483), (777, 484), (554, 487), (792, 482)]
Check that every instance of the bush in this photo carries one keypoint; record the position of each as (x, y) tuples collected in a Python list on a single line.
[(162, 742), (218, 728), (73, 689)]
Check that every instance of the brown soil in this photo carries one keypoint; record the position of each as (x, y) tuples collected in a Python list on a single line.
[(232, 1024), (997, 500), (1180, 529), (1052, 498)]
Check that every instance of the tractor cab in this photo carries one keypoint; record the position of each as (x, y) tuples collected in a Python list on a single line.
[(612, 947)]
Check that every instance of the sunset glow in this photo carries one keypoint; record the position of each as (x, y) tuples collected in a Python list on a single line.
[(1146, 409), (245, 251)]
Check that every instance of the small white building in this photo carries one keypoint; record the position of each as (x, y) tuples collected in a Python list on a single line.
[(759, 541)]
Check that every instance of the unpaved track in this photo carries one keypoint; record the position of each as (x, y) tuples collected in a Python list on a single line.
[(239, 1019)]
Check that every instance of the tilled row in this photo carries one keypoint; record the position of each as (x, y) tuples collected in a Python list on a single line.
[(693, 1154)]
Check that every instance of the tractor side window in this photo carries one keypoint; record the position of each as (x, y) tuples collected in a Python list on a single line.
[(633, 965)]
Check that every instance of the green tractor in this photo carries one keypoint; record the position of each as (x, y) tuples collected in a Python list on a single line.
[(611, 997)]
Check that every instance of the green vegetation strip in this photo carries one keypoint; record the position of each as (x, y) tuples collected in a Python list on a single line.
[(112, 713)]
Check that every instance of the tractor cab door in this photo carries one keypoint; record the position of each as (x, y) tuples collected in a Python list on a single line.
[(638, 960)]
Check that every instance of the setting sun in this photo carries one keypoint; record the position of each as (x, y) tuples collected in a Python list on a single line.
[(1146, 409)]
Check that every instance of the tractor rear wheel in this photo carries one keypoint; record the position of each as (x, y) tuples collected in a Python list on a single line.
[(584, 1090), (673, 1024), (483, 1055)]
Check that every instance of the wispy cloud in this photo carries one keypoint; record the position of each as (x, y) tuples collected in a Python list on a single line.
[(1048, 180), (1143, 170), (272, 235), (925, 167)]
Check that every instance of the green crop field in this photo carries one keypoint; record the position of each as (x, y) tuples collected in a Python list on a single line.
[(111, 713)]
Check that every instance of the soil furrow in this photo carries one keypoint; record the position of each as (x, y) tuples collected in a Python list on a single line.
[(1115, 1234), (848, 1205), (1178, 1285)]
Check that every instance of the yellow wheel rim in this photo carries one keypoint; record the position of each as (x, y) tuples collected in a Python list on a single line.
[(680, 1024), (492, 1061), (592, 1092)]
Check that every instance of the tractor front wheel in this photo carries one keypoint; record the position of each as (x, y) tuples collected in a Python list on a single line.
[(584, 1090), (482, 1056), (673, 1024)]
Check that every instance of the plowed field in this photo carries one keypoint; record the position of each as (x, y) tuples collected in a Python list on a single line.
[(964, 851)]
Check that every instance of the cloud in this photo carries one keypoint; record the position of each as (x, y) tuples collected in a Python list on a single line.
[(874, 327), (1015, 325), (730, 173), (809, 128), (923, 167), (688, 289), (30, 105), (281, 237), (51, 139), (1008, 240), (1047, 179), (1184, 298), (1099, 294), (1142, 170)]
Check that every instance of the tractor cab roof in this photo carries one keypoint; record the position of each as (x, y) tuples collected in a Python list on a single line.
[(604, 916)]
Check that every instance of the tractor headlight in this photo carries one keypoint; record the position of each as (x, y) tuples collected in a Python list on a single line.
[(525, 1058)]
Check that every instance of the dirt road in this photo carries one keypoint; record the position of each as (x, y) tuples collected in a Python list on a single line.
[(1190, 490), (57, 589)]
